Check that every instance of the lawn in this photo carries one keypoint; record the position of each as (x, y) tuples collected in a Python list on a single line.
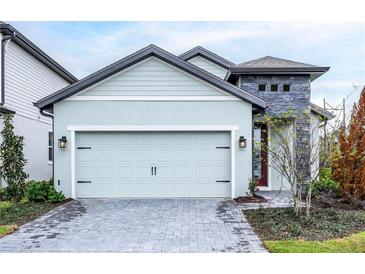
[(7, 229), (352, 244), (327, 230)]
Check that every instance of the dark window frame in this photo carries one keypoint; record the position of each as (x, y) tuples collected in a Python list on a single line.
[(50, 147), (277, 87), (286, 85), (265, 87)]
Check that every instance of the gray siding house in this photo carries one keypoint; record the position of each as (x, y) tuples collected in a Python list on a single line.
[(158, 125), (27, 75)]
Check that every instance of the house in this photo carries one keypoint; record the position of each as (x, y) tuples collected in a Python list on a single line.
[(158, 125), (27, 75)]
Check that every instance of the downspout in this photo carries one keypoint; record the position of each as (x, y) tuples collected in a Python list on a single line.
[(48, 114), (3, 44)]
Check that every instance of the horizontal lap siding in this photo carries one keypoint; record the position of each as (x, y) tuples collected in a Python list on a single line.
[(26, 81), (152, 78), (208, 66)]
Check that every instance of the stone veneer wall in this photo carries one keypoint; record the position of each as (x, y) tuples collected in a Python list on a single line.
[(297, 100)]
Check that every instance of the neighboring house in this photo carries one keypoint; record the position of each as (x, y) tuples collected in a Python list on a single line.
[(28, 74), (157, 125)]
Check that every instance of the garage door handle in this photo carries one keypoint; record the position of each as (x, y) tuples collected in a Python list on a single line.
[(222, 147), (83, 147), (155, 170), (84, 182), (152, 170), (223, 181)]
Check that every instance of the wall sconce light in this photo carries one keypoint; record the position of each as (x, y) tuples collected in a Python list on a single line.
[(242, 142), (62, 143)]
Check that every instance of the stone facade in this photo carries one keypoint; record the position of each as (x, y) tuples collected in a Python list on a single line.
[(297, 100)]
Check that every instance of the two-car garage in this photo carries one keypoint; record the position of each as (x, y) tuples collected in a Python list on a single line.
[(153, 164)]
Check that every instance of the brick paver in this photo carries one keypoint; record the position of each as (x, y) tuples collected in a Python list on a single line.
[(140, 225)]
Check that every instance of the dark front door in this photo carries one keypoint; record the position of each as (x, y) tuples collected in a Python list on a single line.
[(260, 154)]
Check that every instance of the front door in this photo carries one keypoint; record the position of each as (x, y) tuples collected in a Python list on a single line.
[(260, 154)]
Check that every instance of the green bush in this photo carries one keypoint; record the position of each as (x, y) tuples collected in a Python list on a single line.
[(325, 183), (37, 191), (2, 194), (54, 196), (43, 191)]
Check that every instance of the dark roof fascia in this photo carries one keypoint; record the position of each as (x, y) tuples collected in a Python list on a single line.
[(200, 51), (36, 52), (313, 74), (321, 112), (138, 56), (280, 70)]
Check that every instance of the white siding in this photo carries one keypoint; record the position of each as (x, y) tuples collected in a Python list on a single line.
[(26, 81), (152, 77), (209, 66)]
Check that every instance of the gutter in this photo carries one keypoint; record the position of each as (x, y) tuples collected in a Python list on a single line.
[(4, 40)]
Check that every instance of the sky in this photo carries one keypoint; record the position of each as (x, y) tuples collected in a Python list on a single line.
[(85, 47)]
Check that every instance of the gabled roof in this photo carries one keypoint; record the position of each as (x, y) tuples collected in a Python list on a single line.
[(36, 52), (274, 65), (200, 51), (321, 112), (138, 56)]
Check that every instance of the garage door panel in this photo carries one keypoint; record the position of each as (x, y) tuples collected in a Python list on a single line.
[(188, 164)]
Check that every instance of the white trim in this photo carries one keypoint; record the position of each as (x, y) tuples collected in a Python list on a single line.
[(152, 98), (74, 128), (73, 173), (233, 164), (152, 128)]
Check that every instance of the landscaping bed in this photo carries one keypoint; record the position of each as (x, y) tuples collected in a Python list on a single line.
[(23, 212), (250, 199), (324, 224)]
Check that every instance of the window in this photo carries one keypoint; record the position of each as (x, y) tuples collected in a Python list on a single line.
[(286, 87), (50, 146), (262, 87), (274, 87)]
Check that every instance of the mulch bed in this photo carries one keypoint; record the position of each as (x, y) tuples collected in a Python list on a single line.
[(22, 213), (324, 223), (250, 199)]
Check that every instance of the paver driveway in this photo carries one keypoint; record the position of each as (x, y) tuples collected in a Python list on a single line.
[(144, 225)]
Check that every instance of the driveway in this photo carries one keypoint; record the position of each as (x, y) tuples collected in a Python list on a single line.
[(141, 225)]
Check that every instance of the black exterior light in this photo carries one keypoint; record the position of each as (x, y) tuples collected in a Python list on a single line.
[(62, 143), (242, 142)]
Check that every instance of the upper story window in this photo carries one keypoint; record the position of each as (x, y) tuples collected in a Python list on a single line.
[(262, 87), (50, 146), (286, 87), (274, 87)]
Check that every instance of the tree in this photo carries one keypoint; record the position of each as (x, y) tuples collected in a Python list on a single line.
[(13, 161), (299, 167), (349, 159)]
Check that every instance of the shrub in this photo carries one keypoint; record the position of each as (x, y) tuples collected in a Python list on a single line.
[(54, 196), (252, 187), (37, 191), (43, 191), (325, 183), (13, 161), (2, 194)]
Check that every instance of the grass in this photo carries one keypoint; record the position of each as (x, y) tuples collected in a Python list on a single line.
[(352, 244), (281, 224), (7, 229)]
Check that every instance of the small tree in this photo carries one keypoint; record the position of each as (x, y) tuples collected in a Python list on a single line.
[(13, 161), (289, 161), (349, 160)]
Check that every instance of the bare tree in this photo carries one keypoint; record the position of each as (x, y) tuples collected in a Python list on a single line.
[(288, 159)]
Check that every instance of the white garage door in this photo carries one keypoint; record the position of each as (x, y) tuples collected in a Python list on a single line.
[(147, 164)]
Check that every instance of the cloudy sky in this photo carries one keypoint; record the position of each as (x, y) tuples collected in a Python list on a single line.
[(84, 47)]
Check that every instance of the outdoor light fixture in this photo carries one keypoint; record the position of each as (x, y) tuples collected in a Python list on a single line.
[(242, 142), (62, 143)]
